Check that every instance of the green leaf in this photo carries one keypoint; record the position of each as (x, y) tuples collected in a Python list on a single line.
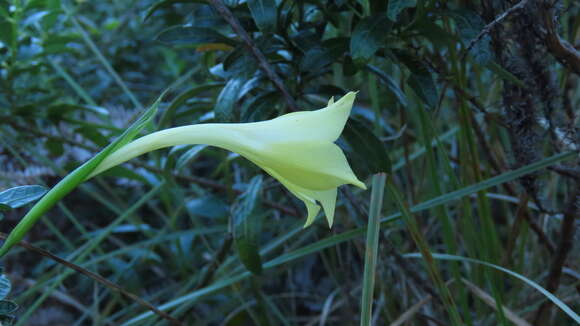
[(224, 107), (166, 3), (73, 179), (369, 155), (91, 133), (469, 25), (20, 196), (247, 225), (259, 107), (5, 286), (424, 87), (264, 13), (504, 74), (207, 206), (421, 80), (192, 36), (188, 156), (7, 35), (368, 36), (390, 83), (396, 6), (182, 98), (318, 57)]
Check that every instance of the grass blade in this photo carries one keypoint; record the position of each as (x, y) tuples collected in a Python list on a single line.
[(372, 247), (565, 308)]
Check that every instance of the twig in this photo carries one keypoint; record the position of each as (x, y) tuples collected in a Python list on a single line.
[(563, 51), (96, 278), (567, 230), (520, 5), (221, 8)]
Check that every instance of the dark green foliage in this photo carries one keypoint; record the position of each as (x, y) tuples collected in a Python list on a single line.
[(188, 229), (7, 307), (247, 225), (368, 36), (368, 154), (264, 13)]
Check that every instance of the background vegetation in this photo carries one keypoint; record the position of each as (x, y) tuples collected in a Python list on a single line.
[(475, 104)]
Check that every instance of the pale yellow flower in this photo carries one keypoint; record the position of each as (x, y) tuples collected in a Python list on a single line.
[(297, 149)]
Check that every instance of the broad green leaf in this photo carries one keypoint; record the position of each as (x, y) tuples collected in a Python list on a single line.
[(424, 86), (20, 196), (368, 153), (396, 6), (193, 36), (318, 57), (264, 13), (368, 36), (76, 177), (224, 107), (421, 80), (247, 225)]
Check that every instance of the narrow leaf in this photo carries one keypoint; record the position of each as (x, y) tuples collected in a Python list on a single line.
[(565, 308), (193, 36), (264, 14), (396, 6), (247, 226), (224, 108), (372, 248)]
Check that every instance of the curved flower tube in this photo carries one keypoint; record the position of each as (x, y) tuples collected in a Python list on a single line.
[(297, 149)]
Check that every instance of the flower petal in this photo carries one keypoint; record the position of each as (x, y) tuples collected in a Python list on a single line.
[(315, 166), (328, 200), (310, 198), (324, 125)]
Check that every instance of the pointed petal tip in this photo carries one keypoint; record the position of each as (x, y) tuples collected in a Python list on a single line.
[(360, 184), (329, 224)]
